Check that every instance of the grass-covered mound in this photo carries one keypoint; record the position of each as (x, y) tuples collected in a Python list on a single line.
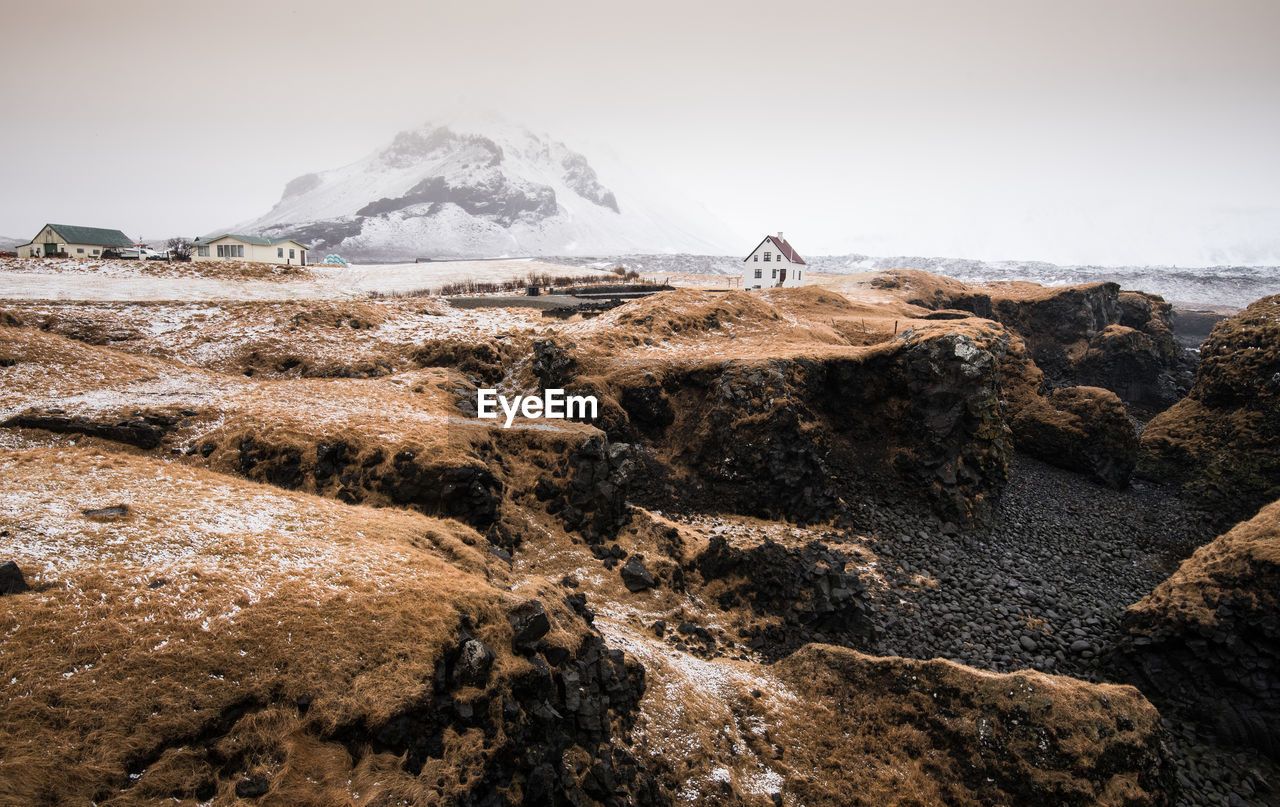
[(891, 731), (211, 638)]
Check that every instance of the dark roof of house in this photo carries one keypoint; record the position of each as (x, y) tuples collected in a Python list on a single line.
[(97, 236), (784, 247), (249, 239)]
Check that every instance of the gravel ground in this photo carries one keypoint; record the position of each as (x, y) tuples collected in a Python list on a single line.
[(1045, 589)]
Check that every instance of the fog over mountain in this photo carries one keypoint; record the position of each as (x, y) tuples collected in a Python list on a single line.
[(484, 189)]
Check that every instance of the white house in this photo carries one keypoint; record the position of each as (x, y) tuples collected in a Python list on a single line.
[(77, 242), (773, 263), (251, 248)]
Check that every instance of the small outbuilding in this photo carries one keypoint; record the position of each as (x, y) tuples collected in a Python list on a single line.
[(773, 263), (73, 241), (251, 248)]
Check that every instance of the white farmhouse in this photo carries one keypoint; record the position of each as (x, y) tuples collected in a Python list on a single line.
[(773, 263), (251, 248), (74, 241)]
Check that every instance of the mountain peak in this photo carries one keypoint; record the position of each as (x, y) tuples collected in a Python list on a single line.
[(480, 189)]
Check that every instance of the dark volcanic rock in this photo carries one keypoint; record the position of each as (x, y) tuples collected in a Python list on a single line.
[(808, 587), (592, 499), (1208, 638), (544, 729), (144, 430), (960, 447), (553, 364), (475, 659), (529, 623), (11, 579), (493, 197), (1192, 326), (252, 787), (1147, 372), (466, 490), (636, 575), (647, 404)]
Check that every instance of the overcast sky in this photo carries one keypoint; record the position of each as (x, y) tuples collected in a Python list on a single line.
[(1110, 131)]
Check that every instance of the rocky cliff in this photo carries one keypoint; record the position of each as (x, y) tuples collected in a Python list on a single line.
[(780, 431), (1088, 335), (1207, 640), (1221, 445)]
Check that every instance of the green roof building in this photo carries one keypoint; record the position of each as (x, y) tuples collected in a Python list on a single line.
[(74, 240)]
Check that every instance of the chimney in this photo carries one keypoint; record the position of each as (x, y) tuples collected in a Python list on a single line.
[(780, 238)]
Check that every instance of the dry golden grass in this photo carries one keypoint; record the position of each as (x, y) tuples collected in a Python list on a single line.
[(688, 327), (311, 338)]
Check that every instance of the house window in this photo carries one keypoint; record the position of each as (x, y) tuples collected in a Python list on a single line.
[(279, 252), (202, 252), (95, 252), (290, 253), (80, 250), (755, 257), (758, 273), (766, 256)]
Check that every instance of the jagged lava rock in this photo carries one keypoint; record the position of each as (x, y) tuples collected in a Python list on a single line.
[(1208, 638), (809, 587), (635, 575)]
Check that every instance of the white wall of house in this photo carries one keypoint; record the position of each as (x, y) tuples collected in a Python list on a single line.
[(289, 253), (770, 270)]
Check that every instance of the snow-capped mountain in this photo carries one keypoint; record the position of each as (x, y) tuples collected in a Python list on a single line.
[(486, 191)]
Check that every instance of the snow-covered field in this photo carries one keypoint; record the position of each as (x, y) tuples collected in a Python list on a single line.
[(72, 279)]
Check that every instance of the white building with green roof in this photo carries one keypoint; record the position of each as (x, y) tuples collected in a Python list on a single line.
[(235, 247), (74, 241)]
